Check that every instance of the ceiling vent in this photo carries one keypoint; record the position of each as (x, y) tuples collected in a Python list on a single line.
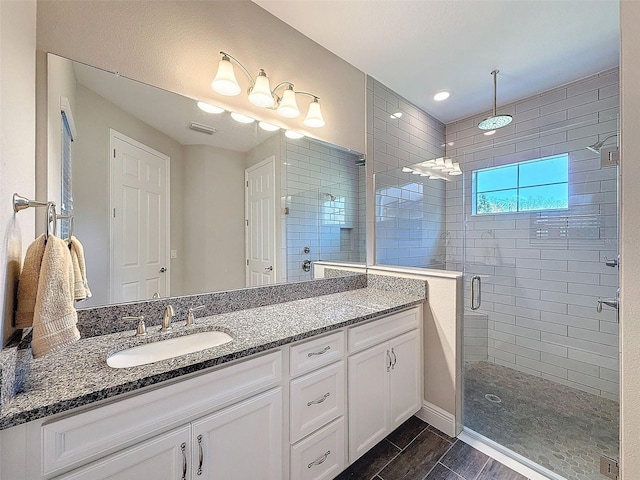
[(198, 127)]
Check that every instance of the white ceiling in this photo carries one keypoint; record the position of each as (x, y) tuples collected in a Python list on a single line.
[(417, 48)]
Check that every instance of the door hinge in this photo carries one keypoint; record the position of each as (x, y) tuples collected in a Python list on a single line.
[(609, 467), (114, 153), (114, 213), (246, 222), (247, 262), (247, 183)]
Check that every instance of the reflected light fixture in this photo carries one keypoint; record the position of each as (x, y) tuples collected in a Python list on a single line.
[(293, 135), (395, 115), (437, 169), (238, 117), (207, 107), (268, 127), (489, 133), (261, 94), (495, 121)]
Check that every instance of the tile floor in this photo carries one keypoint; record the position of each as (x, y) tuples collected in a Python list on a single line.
[(558, 427), (417, 451)]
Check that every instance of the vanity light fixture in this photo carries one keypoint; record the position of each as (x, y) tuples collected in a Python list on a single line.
[(238, 117), (442, 95), (207, 107), (293, 135), (261, 94), (268, 127)]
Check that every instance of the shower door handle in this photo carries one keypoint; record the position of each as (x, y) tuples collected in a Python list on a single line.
[(476, 292)]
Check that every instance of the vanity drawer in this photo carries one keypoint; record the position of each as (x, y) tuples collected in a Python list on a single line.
[(316, 353), (321, 455), (83, 437), (377, 331), (316, 399)]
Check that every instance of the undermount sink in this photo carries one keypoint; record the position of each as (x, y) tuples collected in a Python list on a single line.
[(164, 349)]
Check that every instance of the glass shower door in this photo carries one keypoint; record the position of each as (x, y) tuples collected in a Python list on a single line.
[(540, 240)]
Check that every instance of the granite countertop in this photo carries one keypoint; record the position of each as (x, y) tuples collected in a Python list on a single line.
[(78, 375)]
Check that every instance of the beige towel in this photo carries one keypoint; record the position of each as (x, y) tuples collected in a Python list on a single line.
[(54, 319), (80, 284), (28, 283)]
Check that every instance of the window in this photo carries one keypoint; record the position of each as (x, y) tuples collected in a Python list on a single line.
[(541, 184)]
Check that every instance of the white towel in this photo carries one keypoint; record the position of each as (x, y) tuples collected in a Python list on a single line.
[(80, 283), (55, 318), (28, 283)]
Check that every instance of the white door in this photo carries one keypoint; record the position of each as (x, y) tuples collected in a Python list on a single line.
[(368, 399), (160, 458), (241, 442), (260, 205), (139, 221), (405, 377)]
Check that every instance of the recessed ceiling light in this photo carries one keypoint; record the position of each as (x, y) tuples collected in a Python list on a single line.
[(242, 118), (293, 135), (268, 127), (396, 115), (207, 107), (440, 96), (490, 132)]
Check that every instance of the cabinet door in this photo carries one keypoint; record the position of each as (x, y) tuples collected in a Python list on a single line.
[(162, 457), (368, 386), (406, 394), (243, 441)]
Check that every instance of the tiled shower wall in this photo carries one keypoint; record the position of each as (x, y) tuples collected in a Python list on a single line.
[(539, 295), (409, 209), (323, 192)]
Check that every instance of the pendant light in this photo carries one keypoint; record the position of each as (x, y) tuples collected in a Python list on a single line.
[(495, 121)]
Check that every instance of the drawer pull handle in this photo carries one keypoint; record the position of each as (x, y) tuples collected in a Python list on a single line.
[(183, 448), (201, 455), (320, 400), (321, 352), (390, 362), (320, 459), (395, 360)]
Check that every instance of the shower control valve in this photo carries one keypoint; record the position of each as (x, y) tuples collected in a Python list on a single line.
[(306, 265)]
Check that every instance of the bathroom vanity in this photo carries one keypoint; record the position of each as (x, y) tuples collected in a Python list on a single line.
[(304, 389)]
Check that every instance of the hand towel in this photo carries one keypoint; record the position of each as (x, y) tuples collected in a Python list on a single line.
[(54, 319), (80, 283), (28, 283)]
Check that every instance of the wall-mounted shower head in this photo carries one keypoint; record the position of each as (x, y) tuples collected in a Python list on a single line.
[(595, 148), (331, 197)]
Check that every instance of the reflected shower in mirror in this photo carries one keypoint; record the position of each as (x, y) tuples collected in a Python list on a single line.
[(170, 199)]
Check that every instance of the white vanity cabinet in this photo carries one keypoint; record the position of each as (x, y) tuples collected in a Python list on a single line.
[(385, 385)]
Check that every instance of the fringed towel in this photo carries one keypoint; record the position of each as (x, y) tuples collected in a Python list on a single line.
[(55, 318), (80, 284), (28, 283)]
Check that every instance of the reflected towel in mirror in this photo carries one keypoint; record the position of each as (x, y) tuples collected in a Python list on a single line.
[(80, 283)]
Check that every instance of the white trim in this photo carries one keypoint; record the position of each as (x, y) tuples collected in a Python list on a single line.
[(507, 457), (65, 107), (425, 272), (438, 418)]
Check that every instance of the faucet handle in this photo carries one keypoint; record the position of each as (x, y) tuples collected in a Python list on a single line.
[(142, 328), (191, 320)]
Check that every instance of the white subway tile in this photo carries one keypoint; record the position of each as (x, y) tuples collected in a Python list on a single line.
[(570, 364), (542, 367), (594, 382), (568, 383), (554, 349)]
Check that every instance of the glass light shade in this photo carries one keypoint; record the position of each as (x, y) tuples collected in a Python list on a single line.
[(456, 169), (314, 116), (293, 135), (242, 118), (288, 107), (448, 166), (225, 82), (406, 169), (260, 94), (207, 107), (268, 127), (439, 164)]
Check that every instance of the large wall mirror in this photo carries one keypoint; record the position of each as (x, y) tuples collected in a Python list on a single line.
[(169, 199)]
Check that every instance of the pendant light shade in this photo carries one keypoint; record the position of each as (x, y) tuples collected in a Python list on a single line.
[(260, 94), (288, 107), (314, 116), (225, 82), (495, 121)]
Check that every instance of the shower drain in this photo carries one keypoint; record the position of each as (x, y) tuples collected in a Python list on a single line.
[(493, 398)]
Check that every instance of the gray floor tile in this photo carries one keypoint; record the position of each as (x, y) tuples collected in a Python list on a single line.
[(415, 461), (465, 460)]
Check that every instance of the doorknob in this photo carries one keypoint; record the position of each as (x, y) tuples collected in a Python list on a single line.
[(269, 268), (163, 269)]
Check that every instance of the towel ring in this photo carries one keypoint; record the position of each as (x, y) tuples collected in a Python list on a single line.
[(70, 219)]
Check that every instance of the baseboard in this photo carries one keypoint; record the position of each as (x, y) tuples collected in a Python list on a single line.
[(511, 459), (438, 418)]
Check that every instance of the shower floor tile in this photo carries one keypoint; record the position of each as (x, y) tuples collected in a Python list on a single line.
[(558, 427)]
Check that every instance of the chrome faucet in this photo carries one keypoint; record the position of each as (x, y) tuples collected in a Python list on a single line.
[(166, 319)]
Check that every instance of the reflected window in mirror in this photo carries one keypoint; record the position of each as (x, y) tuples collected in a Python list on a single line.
[(67, 136)]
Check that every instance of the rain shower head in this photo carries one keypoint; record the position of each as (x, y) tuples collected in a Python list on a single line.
[(495, 121), (595, 148), (331, 197)]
